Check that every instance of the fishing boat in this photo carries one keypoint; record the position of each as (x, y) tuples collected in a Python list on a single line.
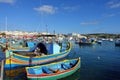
[(87, 42), (19, 48), (117, 42), (21, 60), (53, 71), (19, 45)]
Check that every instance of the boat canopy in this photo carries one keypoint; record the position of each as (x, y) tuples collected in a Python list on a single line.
[(53, 48)]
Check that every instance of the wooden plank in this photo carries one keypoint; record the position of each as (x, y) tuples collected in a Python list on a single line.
[(2, 70)]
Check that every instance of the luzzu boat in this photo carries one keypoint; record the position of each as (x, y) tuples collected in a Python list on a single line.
[(53, 71), (21, 60), (20, 48), (10, 46)]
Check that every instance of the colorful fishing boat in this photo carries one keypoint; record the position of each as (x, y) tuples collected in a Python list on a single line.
[(53, 71), (18, 60), (19, 45), (19, 48)]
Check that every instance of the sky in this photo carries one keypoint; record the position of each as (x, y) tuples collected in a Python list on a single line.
[(61, 16)]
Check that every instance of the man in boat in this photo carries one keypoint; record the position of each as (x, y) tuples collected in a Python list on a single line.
[(40, 50), (37, 52)]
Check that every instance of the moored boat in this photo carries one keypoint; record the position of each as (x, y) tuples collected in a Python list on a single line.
[(20, 60), (86, 42), (117, 42), (53, 71)]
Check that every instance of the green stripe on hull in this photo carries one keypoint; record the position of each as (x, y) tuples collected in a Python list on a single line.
[(56, 76)]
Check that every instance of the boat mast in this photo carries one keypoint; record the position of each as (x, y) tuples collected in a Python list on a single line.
[(6, 24), (46, 28)]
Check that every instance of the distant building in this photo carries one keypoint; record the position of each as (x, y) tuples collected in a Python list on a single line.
[(71, 34), (19, 34), (75, 35)]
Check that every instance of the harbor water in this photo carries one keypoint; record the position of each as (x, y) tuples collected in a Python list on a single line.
[(98, 62)]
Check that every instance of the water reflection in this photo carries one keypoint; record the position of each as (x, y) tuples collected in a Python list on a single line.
[(74, 76)]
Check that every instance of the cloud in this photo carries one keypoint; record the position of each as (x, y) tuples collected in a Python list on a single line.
[(114, 4), (7, 1), (71, 8), (111, 15), (117, 5), (47, 9), (89, 23)]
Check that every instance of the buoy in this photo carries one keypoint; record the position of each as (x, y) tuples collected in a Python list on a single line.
[(98, 57)]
